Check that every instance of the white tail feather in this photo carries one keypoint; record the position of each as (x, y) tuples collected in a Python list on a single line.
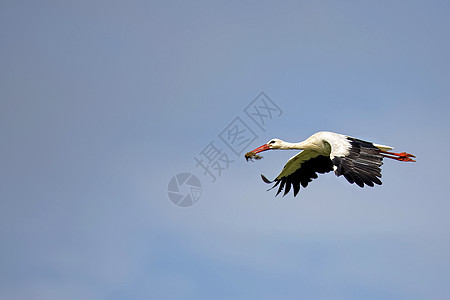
[(383, 147)]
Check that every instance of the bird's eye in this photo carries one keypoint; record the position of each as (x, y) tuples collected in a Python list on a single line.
[(272, 142)]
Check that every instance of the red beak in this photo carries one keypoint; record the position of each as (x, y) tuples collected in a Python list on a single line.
[(261, 149)]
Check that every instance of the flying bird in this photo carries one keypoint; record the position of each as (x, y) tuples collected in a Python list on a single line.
[(357, 160)]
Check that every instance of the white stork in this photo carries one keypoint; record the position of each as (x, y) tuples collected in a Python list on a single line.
[(359, 161)]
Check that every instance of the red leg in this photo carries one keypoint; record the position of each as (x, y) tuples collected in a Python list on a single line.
[(398, 156)]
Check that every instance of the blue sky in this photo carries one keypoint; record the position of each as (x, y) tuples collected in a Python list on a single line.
[(103, 102)]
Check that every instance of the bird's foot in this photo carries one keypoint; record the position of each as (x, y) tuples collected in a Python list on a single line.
[(398, 156)]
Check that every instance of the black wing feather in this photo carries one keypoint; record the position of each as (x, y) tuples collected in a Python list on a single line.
[(303, 175), (362, 165)]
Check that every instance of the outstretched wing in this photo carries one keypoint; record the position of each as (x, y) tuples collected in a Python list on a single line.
[(301, 169), (361, 164)]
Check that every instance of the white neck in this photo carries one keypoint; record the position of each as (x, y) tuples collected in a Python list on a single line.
[(299, 146)]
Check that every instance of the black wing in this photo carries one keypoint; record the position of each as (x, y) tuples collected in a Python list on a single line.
[(361, 165), (300, 170)]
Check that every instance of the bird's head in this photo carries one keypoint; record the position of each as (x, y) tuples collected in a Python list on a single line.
[(272, 144), (275, 144)]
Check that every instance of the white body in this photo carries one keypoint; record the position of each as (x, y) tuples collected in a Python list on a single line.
[(324, 142)]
